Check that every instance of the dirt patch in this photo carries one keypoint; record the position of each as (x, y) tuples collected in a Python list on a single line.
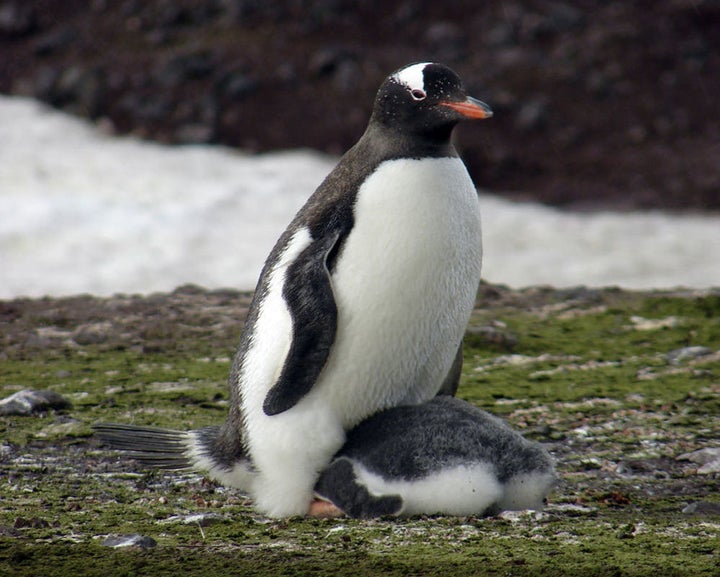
[(621, 387)]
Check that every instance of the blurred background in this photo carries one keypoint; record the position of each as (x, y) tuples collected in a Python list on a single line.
[(598, 105)]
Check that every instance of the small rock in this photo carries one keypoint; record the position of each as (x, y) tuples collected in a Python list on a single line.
[(627, 531), (640, 467), (708, 458), (532, 115), (201, 519), (44, 82), (495, 337), (81, 90), (93, 333), (117, 541), (565, 17), (324, 62), (55, 41), (74, 88), (521, 515), (184, 68), (501, 34), (571, 509), (338, 63), (33, 523), (195, 133), (702, 508), (17, 19), (6, 531), (447, 40), (701, 456), (643, 324), (598, 83), (236, 85), (150, 109), (679, 356), (29, 401)]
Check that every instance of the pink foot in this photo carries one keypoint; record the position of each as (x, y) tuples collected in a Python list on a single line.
[(324, 510)]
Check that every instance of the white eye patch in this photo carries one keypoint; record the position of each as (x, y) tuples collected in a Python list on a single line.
[(412, 76)]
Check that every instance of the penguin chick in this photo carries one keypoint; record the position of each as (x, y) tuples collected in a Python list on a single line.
[(444, 456)]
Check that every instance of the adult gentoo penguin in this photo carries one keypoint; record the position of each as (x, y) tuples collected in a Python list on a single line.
[(362, 303)]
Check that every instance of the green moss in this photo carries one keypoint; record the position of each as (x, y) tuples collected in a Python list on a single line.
[(593, 382)]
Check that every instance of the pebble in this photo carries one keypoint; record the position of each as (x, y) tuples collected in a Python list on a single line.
[(643, 324), (679, 356), (640, 467), (497, 337), (708, 459), (150, 109), (17, 19), (81, 90), (33, 522), (93, 333), (702, 508), (571, 509), (201, 519), (29, 401), (184, 68), (135, 540), (75, 88), (532, 115), (339, 64), (446, 40), (55, 41), (522, 515), (565, 17), (235, 85), (195, 133)]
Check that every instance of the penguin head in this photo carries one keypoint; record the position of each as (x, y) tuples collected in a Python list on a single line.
[(425, 99)]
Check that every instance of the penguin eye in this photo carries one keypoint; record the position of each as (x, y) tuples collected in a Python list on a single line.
[(418, 94)]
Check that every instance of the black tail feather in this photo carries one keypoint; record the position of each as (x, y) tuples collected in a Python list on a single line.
[(152, 446)]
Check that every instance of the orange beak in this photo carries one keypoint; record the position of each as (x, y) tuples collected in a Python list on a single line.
[(470, 108)]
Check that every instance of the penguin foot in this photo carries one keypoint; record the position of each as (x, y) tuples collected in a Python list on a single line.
[(324, 510)]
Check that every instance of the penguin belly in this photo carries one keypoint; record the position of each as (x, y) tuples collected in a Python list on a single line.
[(405, 285), (466, 489)]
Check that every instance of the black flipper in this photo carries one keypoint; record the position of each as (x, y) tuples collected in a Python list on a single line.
[(314, 319), (338, 484)]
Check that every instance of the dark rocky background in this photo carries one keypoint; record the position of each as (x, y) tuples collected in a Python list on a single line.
[(598, 104)]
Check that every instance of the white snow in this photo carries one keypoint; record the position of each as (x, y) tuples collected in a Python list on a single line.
[(82, 211)]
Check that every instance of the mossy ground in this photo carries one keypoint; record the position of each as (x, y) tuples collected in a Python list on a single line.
[(590, 376)]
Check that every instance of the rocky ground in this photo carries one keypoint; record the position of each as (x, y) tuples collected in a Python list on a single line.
[(622, 388), (598, 104)]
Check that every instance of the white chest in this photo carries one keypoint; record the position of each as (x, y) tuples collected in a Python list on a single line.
[(405, 284), (414, 214)]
